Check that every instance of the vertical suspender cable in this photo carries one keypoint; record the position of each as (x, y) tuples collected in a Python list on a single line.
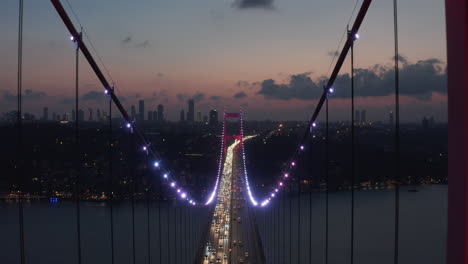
[(352, 148), (148, 201), (274, 235), (132, 200), (19, 164), (181, 215), (186, 234), (175, 233), (397, 133), (111, 191), (77, 142), (290, 227), (299, 219), (283, 202), (278, 233), (326, 180), (189, 249), (310, 215), (159, 221), (168, 233)]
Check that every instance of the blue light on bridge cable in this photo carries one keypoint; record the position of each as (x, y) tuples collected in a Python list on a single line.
[(172, 184), (356, 36), (129, 125), (331, 90), (72, 38), (156, 165), (302, 147), (165, 175)]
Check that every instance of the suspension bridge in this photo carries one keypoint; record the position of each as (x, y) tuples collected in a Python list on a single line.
[(234, 231)]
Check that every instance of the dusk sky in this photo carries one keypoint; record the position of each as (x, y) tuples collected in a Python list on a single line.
[(267, 56)]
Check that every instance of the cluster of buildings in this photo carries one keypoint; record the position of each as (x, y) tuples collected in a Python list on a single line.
[(154, 116), (189, 117)]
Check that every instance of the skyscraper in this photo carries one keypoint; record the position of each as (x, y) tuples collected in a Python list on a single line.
[(356, 117), (155, 115), (191, 111), (363, 116), (98, 115), (199, 117), (81, 115), (390, 118), (150, 115), (213, 118), (182, 115), (73, 115), (160, 113), (46, 114), (141, 110), (90, 114), (133, 112)]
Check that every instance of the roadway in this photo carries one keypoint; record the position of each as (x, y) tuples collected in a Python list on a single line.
[(232, 235)]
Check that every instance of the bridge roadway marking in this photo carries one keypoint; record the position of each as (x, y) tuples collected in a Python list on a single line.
[(225, 227)]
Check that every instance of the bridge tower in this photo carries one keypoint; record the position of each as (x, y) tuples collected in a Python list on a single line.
[(229, 137)]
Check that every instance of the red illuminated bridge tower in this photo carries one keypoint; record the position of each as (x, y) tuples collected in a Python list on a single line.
[(241, 133)]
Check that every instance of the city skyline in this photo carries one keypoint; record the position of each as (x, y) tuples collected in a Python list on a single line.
[(243, 74)]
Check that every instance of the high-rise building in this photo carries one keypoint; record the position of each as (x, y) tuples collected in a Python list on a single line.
[(81, 115), (356, 117), (213, 118), (363, 116), (199, 117), (98, 115), (191, 111), (155, 115), (182, 115), (150, 115), (133, 112), (45, 116), (390, 118), (205, 119), (141, 110), (73, 115), (160, 113), (90, 114)]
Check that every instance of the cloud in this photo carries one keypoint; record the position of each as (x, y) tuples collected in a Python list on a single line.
[(97, 96), (418, 80), (300, 86), (181, 97), (216, 97), (28, 94), (240, 95), (333, 53), (242, 84), (198, 97), (144, 44), (248, 4), (127, 40)]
